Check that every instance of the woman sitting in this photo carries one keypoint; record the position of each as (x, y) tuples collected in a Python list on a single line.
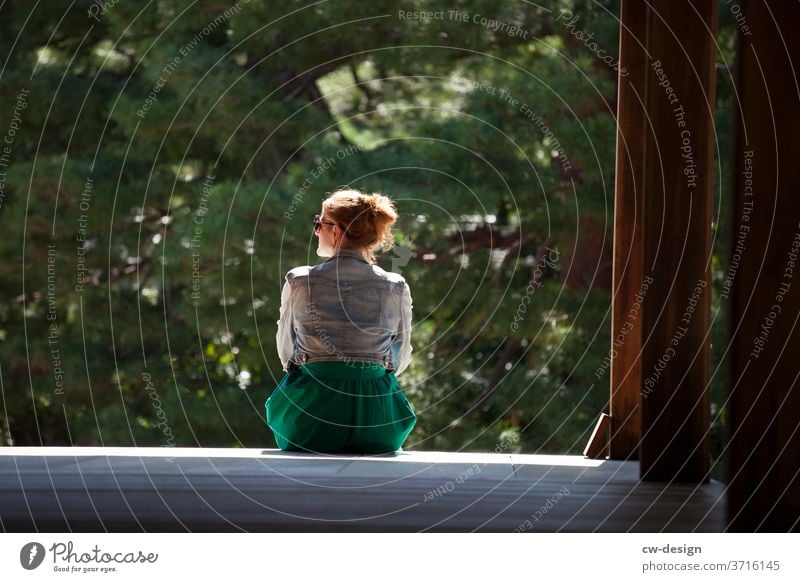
[(344, 334)]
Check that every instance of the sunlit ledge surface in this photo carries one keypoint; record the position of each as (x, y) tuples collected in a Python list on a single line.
[(161, 489)]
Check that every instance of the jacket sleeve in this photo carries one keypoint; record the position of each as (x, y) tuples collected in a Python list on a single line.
[(401, 348), (285, 336)]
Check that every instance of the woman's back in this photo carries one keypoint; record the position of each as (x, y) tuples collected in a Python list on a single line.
[(348, 310)]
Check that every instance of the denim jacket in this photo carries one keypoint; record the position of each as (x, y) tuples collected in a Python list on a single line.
[(345, 309)]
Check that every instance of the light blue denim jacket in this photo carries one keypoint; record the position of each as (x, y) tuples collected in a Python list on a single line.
[(345, 309)]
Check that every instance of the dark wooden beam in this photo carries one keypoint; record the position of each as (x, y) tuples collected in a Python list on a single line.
[(628, 267), (663, 199), (764, 274)]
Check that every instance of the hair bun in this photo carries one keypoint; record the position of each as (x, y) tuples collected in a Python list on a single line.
[(373, 201), (367, 218)]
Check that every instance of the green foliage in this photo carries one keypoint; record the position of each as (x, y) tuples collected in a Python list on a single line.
[(200, 143)]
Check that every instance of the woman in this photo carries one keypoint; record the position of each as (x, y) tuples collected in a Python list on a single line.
[(344, 334)]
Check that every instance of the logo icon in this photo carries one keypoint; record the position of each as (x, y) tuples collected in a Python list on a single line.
[(31, 555), (401, 258)]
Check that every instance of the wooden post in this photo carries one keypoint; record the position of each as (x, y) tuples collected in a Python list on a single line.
[(764, 275), (666, 113), (628, 267)]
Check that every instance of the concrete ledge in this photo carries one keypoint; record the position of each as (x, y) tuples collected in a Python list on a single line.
[(201, 489)]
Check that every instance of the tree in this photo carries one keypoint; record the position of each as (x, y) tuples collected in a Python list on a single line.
[(173, 153)]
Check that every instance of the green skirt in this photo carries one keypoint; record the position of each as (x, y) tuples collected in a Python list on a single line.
[(333, 406)]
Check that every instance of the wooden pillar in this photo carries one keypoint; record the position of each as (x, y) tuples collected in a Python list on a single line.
[(628, 267), (764, 275), (663, 237)]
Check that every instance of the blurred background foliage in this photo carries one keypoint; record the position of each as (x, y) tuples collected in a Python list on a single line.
[(202, 136)]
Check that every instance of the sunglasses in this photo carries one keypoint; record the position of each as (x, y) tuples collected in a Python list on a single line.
[(318, 222)]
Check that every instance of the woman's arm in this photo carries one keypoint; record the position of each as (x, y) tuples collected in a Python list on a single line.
[(403, 351), (285, 336)]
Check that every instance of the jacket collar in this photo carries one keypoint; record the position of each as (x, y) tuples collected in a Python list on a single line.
[(348, 252)]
